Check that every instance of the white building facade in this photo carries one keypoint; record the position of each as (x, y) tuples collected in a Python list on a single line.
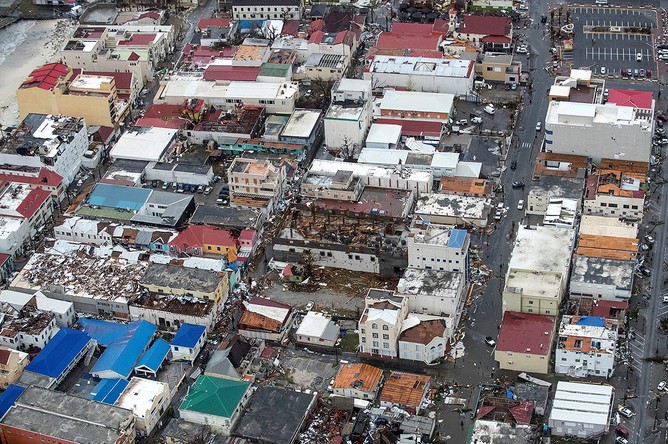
[(611, 131), (586, 347)]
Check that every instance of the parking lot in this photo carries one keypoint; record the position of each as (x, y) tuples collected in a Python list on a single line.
[(613, 50)]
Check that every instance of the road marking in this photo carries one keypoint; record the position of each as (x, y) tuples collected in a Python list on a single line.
[(526, 145)]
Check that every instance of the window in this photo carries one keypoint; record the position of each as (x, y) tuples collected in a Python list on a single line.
[(176, 349), (375, 335), (386, 337), (363, 339), (386, 345), (578, 343), (375, 343), (375, 326), (363, 331)]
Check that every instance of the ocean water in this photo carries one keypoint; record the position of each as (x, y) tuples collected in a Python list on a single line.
[(13, 36)]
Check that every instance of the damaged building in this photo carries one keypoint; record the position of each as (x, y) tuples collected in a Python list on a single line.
[(371, 243)]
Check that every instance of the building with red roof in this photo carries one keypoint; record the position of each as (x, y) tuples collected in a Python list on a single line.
[(486, 31), (53, 89), (412, 28), (226, 73), (389, 40), (23, 211), (205, 23), (340, 43), (47, 76), (643, 100), (198, 240), (32, 177), (525, 342)]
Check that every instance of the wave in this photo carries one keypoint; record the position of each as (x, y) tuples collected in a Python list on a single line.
[(12, 36)]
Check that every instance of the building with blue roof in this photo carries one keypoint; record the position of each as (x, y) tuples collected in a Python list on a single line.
[(8, 397), (57, 359), (152, 359), (188, 342), (104, 332), (121, 355), (140, 205), (108, 195), (108, 390)]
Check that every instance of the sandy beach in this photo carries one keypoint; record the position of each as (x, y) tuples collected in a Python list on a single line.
[(24, 46)]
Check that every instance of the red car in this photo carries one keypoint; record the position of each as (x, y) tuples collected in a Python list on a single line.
[(648, 72)]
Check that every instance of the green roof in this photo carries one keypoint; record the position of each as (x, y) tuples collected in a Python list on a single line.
[(105, 213), (215, 396), (274, 69)]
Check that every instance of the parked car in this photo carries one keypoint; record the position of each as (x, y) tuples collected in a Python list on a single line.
[(648, 73), (154, 184), (604, 71), (665, 299), (639, 57), (186, 187), (635, 72), (223, 200), (649, 239), (476, 119), (490, 341), (538, 126), (200, 189), (180, 188), (497, 215), (513, 165), (165, 185), (518, 184), (489, 109), (513, 86), (621, 440), (625, 412), (662, 386), (522, 49), (520, 204), (208, 189), (641, 72), (622, 431)]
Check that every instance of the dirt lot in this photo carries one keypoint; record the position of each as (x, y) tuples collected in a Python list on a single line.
[(339, 292), (308, 370)]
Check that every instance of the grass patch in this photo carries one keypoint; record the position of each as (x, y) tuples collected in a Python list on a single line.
[(350, 342)]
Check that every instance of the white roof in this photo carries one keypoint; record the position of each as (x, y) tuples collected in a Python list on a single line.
[(255, 90), (468, 169), (420, 102), (16, 299), (140, 394), (445, 160), (581, 74), (582, 403), (607, 226), (452, 205), (423, 66), (315, 325), (384, 133), (387, 316), (52, 305), (560, 91), (353, 85), (144, 144), (542, 248), (301, 123), (330, 167), (90, 81), (276, 313)]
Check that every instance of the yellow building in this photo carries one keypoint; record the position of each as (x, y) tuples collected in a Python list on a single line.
[(525, 342), (185, 281), (12, 363), (53, 89)]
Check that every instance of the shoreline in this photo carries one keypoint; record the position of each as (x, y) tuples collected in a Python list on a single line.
[(29, 44)]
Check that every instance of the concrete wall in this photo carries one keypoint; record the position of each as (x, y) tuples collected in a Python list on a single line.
[(521, 362), (615, 206)]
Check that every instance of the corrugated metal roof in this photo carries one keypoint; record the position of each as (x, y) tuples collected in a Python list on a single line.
[(154, 356), (188, 335), (108, 390), (59, 352)]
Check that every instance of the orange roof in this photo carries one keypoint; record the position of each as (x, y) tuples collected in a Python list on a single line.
[(256, 321), (466, 185), (405, 389), (362, 377), (610, 247)]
